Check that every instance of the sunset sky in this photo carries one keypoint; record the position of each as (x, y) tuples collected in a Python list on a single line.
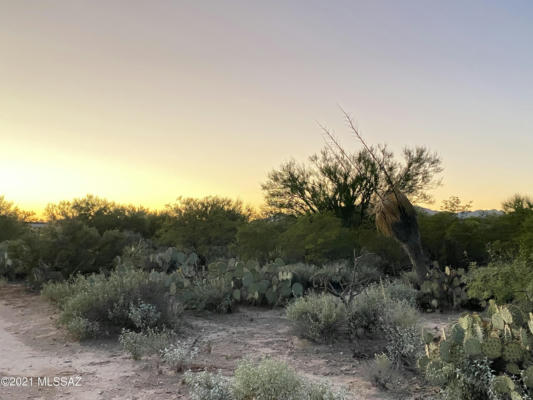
[(143, 101)]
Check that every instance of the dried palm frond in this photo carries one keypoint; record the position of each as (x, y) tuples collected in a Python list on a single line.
[(395, 215)]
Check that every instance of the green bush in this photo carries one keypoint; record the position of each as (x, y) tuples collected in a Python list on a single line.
[(383, 373), (15, 259), (387, 311), (259, 239), (317, 316), (104, 215), (504, 281), (206, 226), (301, 272), (316, 239), (381, 306), (268, 380), (128, 298), (369, 240), (275, 380), (208, 386), (179, 355), (62, 249), (212, 295), (341, 276), (146, 342), (12, 221)]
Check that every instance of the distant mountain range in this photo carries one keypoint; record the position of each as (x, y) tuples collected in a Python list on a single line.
[(464, 214)]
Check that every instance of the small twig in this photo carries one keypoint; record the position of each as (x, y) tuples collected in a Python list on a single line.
[(371, 152)]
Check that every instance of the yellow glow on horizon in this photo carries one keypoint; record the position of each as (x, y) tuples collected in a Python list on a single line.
[(205, 98)]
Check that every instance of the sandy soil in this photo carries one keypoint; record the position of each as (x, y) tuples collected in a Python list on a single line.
[(32, 345)]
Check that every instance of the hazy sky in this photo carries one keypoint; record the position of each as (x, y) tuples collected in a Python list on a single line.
[(143, 101)]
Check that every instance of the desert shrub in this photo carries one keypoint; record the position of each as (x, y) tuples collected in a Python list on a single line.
[(81, 327), (301, 272), (399, 290), (381, 306), (15, 258), (344, 278), (210, 294), (70, 247), (146, 342), (317, 316), (321, 391), (208, 386), (370, 241), (271, 379), (65, 248), (504, 281), (404, 344), (259, 239), (127, 298), (179, 355), (384, 373), (316, 239), (12, 221), (387, 311), (333, 276), (206, 226), (104, 215), (59, 292)]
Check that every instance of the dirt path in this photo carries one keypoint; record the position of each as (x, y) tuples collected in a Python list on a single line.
[(31, 345)]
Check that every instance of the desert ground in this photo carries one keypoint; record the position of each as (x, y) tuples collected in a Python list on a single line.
[(33, 345)]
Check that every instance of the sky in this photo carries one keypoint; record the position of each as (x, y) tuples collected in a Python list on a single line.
[(144, 101)]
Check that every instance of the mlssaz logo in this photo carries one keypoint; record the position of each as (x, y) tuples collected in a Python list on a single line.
[(59, 381)]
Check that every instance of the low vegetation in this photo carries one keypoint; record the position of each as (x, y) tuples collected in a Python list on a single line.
[(266, 380), (486, 356), (318, 317), (128, 298), (128, 272)]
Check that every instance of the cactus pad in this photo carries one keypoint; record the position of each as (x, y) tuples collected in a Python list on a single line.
[(472, 347), (492, 348), (513, 352), (503, 384), (528, 377)]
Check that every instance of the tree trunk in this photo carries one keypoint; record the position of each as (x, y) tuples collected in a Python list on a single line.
[(413, 248)]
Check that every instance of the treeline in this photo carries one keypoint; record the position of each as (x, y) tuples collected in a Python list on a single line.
[(86, 235), (314, 212)]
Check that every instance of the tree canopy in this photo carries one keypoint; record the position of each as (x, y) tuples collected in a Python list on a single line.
[(104, 215), (347, 187), (206, 226)]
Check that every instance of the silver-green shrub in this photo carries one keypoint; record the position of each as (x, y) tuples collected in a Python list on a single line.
[(275, 380), (317, 316), (270, 379), (384, 373), (380, 306), (208, 386), (179, 355), (144, 343), (128, 298), (387, 311)]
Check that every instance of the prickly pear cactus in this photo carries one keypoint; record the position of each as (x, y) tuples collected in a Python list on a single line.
[(443, 289), (501, 339), (492, 348)]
